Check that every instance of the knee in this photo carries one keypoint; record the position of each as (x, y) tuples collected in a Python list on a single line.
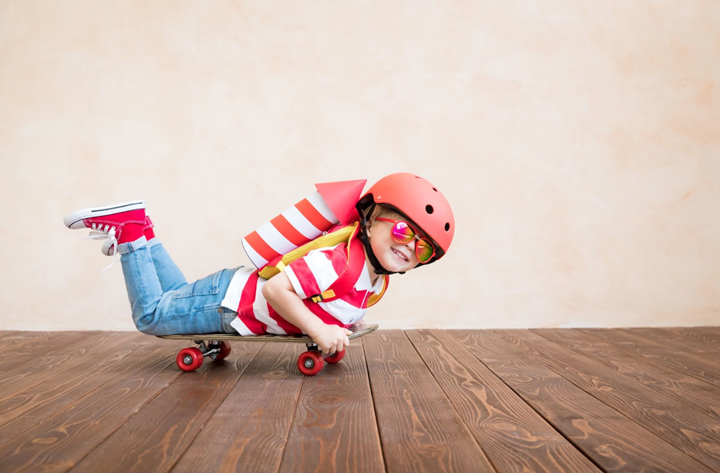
[(146, 330), (145, 325)]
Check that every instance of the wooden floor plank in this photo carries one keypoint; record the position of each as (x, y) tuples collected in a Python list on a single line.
[(706, 334), (57, 390), (334, 426), (248, 432), (62, 360), (420, 431), (678, 342), (688, 430), (610, 439), (156, 437), (36, 351), (688, 363), (699, 395), (61, 440), (422, 400), (11, 336), (13, 339), (514, 437)]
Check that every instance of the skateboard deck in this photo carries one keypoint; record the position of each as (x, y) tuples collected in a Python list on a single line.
[(216, 346)]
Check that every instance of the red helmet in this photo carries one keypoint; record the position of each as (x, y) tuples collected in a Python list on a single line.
[(420, 201)]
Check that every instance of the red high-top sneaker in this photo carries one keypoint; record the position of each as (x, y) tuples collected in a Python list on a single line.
[(108, 247), (120, 223)]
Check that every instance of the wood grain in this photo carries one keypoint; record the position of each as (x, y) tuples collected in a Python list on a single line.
[(59, 360), (513, 436), (61, 440), (701, 396), (678, 342), (419, 429), (688, 430), (334, 426), (681, 360), (248, 432), (12, 340), (707, 334), (542, 400), (32, 352), (58, 389), (609, 438), (156, 437)]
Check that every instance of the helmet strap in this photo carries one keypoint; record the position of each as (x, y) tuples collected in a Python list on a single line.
[(366, 243)]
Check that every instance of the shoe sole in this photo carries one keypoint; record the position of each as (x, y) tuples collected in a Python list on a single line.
[(72, 220)]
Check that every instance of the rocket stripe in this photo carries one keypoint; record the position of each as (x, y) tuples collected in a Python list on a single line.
[(262, 248), (275, 239), (298, 225), (288, 231), (301, 224), (321, 206), (256, 259), (313, 215)]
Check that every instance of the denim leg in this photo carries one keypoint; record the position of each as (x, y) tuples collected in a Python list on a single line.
[(189, 309), (141, 281), (168, 273)]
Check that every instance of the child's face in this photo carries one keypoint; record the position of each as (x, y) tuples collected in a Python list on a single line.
[(393, 256)]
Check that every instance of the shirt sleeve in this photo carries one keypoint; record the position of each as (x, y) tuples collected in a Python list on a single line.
[(317, 271)]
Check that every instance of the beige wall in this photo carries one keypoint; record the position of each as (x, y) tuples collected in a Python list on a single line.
[(579, 142)]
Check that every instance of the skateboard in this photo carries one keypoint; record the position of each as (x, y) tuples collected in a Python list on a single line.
[(216, 346)]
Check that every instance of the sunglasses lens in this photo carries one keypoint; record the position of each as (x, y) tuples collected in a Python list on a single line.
[(402, 233), (424, 251)]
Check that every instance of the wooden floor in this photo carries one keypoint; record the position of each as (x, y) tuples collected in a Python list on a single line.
[(555, 400)]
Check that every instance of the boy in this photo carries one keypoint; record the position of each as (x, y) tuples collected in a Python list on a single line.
[(404, 222)]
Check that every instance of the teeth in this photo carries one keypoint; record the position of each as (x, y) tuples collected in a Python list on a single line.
[(400, 255)]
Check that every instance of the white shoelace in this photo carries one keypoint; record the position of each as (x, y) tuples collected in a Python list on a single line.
[(104, 232)]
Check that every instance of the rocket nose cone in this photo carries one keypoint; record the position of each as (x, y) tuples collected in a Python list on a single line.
[(341, 196)]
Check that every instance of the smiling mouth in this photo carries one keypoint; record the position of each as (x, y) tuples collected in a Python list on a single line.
[(400, 255)]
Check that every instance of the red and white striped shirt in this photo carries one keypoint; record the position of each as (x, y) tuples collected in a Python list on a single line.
[(309, 276)]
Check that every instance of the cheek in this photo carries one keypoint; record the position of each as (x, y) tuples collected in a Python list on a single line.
[(376, 244), (381, 246)]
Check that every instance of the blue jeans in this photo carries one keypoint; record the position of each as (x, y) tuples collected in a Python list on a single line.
[(161, 300)]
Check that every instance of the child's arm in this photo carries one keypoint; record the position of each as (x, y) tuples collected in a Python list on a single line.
[(282, 297)]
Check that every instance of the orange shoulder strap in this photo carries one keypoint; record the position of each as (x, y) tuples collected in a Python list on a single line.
[(375, 298)]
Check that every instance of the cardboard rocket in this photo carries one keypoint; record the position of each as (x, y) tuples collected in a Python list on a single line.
[(332, 204)]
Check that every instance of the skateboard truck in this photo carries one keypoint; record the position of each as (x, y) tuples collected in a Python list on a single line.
[(190, 359)]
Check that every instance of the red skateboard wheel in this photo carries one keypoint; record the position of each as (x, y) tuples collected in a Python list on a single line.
[(336, 357), (224, 350), (189, 359), (310, 363)]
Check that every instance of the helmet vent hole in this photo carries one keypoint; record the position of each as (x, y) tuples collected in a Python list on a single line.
[(447, 227), (434, 189), (429, 209)]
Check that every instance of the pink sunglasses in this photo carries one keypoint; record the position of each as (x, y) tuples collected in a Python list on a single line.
[(403, 232)]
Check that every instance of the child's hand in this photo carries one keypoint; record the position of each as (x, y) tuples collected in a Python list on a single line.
[(331, 338)]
